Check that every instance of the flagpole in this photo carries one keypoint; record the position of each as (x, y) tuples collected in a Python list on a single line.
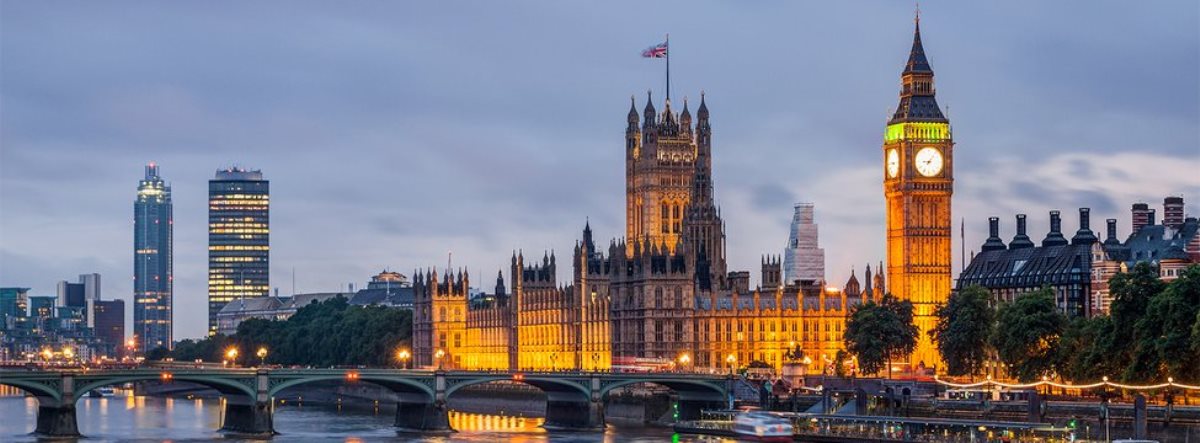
[(668, 67)]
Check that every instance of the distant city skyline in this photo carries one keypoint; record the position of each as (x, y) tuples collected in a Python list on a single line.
[(387, 153)]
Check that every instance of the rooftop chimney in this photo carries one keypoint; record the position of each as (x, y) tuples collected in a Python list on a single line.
[(1020, 240), (1055, 237), (993, 243), (1112, 233), (1141, 213), (1173, 212), (1084, 236)]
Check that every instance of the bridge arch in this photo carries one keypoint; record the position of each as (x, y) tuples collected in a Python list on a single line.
[(552, 386), (397, 384), (223, 384), (687, 389), (39, 389)]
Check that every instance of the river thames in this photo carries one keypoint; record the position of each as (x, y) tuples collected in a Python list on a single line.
[(125, 418)]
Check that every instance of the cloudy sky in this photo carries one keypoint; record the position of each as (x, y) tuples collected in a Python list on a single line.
[(394, 132)]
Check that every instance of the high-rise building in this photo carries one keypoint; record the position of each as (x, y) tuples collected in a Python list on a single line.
[(107, 320), (238, 238), (803, 260), (1142, 215), (14, 306), (153, 249), (1173, 212), (918, 180)]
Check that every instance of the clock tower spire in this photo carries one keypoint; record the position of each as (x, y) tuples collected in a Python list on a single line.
[(918, 180)]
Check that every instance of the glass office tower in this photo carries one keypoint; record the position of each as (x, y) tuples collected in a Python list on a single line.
[(153, 244), (238, 239)]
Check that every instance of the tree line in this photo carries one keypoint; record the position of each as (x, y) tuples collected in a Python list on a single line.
[(328, 333), (1151, 333)]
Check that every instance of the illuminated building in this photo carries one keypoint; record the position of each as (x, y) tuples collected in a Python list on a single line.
[(1171, 247), (14, 306), (803, 259), (918, 180), (238, 238), (661, 293), (153, 266)]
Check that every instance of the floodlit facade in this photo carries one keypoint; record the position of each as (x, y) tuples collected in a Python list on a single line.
[(238, 238), (153, 263), (648, 300)]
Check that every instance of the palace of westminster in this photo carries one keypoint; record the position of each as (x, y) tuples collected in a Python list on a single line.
[(663, 291)]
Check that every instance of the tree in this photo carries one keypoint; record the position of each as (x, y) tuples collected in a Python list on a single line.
[(1083, 349), (878, 333), (964, 325), (1027, 334), (1164, 333), (1131, 292)]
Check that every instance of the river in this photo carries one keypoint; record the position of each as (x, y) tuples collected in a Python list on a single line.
[(127, 418)]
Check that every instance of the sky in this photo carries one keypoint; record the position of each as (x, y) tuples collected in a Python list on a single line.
[(396, 132)]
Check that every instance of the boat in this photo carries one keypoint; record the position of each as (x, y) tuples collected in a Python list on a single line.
[(106, 391), (762, 426)]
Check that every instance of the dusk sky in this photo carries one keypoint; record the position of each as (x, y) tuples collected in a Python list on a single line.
[(394, 132)]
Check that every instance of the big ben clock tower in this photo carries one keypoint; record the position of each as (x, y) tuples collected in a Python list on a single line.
[(918, 179)]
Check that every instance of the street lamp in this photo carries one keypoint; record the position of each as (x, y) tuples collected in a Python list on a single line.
[(68, 353), (403, 355), (595, 362), (262, 355), (684, 359), (231, 355), (731, 359), (438, 355)]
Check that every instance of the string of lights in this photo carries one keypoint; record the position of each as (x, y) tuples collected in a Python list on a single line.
[(1047, 382)]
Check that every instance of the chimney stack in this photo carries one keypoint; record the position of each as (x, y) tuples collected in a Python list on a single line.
[(1150, 221), (1084, 236), (1055, 237), (1112, 233), (993, 243), (1141, 214), (1173, 212), (1021, 240)]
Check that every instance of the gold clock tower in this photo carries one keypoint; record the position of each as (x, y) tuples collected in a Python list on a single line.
[(918, 180)]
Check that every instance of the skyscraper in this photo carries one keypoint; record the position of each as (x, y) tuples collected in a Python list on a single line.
[(803, 260), (153, 267), (918, 180), (238, 238)]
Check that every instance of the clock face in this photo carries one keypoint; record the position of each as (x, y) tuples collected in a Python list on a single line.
[(893, 163), (928, 161)]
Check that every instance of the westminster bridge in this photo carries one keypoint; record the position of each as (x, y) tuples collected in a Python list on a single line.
[(575, 400)]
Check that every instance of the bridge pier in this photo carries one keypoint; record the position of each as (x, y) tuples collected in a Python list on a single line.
[(56, 420), (415, 412), (572, 412), (254, 416), (56, 416)]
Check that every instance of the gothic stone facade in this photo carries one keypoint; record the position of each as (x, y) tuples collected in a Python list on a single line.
[(658, 294)]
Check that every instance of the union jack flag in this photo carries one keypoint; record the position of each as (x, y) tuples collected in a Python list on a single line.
[(656, 51)]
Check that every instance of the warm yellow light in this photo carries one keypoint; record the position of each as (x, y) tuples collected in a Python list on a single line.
[(403, 354), (231, 354), (262, 352), (807, 360), (731, 359), (685, 358), (440, 353), (68, 352)]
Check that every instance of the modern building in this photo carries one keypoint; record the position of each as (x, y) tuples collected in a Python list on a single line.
[(107, 320), (647, 300), (14, 307), (803, 260), (75, 301), (153, 263), (918, 180), (238, 238), (1060, 264)]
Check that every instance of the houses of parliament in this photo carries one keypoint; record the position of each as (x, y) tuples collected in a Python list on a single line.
[(663, 292)]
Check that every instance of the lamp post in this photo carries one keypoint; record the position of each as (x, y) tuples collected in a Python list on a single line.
[(438, 355), (684, 359), (553, 361), (731, 359), (403, 356), (231, 356), (595, 362), (262, 356)]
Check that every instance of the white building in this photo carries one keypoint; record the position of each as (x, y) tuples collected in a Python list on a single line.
[(803, 259)]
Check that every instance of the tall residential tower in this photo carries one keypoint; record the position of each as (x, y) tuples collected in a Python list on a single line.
[(238, 238), (153, 263)]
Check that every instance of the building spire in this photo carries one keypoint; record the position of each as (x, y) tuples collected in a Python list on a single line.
[(916, 57)]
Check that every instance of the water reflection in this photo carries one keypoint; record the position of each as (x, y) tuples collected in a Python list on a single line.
[(125, 417)]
